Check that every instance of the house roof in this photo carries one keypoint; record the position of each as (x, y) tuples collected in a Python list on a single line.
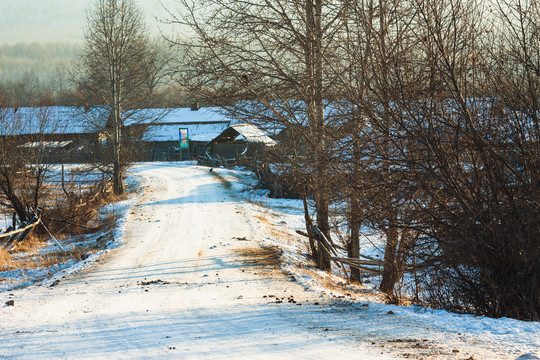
[(44, 120), (248, 132), (176, 116), (203, 132), (164, 124), (207, 122)]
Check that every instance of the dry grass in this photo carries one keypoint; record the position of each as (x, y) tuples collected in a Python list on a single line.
[(32, 261), (56, 257), (263, 258), (77, 213), (41, 260), (38, 262), (262, 219), (5, 259), (31, 243), (109, 220), (76, 221), (26, 254)]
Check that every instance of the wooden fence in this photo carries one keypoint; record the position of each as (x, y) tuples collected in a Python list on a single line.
[(364, 263), (12, 237)]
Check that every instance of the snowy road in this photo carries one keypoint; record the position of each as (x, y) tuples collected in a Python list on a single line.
[(190, 282)]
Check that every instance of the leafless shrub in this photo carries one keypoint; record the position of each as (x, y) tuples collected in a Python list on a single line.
[(119, 71), (23, 158), (420, 116)]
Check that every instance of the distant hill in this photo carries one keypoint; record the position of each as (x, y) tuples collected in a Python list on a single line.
[(37, 60)]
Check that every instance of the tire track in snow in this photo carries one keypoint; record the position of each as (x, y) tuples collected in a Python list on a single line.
[(177, 288)]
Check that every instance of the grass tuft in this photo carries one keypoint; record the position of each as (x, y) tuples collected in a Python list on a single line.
[(31, 243), (5, 259)]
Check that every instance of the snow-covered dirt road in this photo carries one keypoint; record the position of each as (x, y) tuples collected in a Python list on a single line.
[(203, 273), (189, 282)]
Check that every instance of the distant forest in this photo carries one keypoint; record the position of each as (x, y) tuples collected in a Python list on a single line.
[(37, 74), (42, 61)]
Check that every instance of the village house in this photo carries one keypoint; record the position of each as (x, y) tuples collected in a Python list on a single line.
[(239, 140), (161, 137), (69, 134), (52, 131)]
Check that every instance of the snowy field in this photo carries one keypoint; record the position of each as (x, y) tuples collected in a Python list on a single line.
[(204, 266), (42, 262)]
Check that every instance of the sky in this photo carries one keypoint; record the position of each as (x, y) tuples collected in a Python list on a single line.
[(46, 21)]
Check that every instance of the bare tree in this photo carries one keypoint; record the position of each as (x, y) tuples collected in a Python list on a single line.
[(470, 150), (24, 158), (374, 74), (404, 110), (264, 62), (119, 70)]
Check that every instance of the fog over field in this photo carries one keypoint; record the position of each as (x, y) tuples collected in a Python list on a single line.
[(37, 35), (47, 21), (41, 21)]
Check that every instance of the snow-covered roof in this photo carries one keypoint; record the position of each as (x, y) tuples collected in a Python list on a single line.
[(196, 132), (72, 120), (44, 120), (250, 133), (203, 124), (253, 134), (182, 115)]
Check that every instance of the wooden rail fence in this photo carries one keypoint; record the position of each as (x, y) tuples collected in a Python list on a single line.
[(365, 263), (10, 238)]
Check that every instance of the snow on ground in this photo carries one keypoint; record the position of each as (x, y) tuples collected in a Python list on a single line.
[(413, 330), (210, 267), (42, 268), (190, 281)]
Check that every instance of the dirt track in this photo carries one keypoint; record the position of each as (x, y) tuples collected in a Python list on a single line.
[(190, 281)]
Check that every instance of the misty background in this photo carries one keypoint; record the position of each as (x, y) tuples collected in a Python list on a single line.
[(39, 38)]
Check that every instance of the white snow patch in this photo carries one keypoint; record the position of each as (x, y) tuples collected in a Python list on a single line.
[(189, 283), (508, 338)]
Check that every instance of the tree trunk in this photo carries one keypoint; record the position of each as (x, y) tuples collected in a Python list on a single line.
[(118, 186), (390, 271), (353, 247), (309, 223), (14, 200), (315, 110), (355, 213), (390, 274), (321, 206)]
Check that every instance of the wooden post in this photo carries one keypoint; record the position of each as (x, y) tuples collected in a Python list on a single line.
[(63, 184)]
